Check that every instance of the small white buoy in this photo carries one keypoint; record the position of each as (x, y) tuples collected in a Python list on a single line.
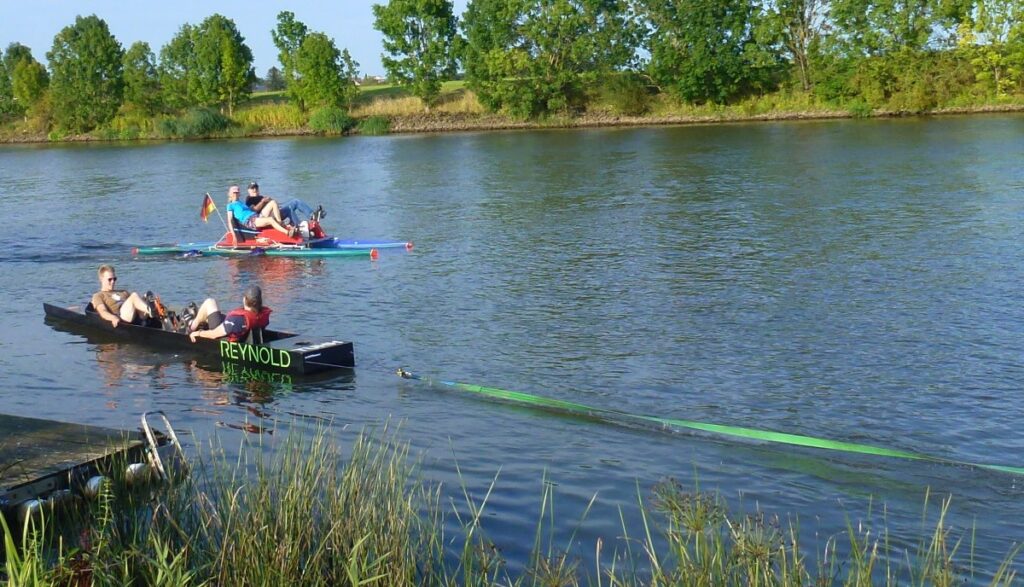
[(94, 486), (137, 472)]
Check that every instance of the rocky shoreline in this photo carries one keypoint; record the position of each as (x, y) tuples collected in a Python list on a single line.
[(440, 122)]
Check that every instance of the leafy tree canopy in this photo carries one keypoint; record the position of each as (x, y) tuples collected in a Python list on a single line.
[(418, 38), (222, 66), (318, 68), (141, 87), (288, 37), (176, 71), (274, 80), (86, 87), (531, 57), (704, 50)]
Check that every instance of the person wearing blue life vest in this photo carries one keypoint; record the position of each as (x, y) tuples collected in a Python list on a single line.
[(236, 324), (249, 218)]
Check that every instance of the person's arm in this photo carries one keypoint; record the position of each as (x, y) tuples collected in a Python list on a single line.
[(217, 332), (234, 226), (264, 200), (101, 309)]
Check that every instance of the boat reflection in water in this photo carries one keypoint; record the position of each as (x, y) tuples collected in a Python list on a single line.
[(235, 395), (277, 275)]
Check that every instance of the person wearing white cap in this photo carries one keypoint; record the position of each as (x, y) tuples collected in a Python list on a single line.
[(249, 218)]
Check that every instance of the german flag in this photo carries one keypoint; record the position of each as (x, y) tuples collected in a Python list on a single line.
[(208, 207)]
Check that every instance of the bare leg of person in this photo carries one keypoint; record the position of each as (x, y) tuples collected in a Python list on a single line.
[(133, 307), (267, 221), (272, 210), (209, 307)]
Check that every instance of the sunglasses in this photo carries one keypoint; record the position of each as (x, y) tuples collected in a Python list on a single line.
[(111, 279)]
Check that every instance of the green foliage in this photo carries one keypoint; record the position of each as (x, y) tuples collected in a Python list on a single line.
[(531, 58), (330, 121), (798, 27), (288, 36), (274, 81), (349, 75), (15, 54), (29, 83), (87, 83), (177, 70), (294, 511), (270, 116), (374, 125), (141, 86), (196, 123), (877, 27), (223, 72), (7, 103), (320, 82), (627, 93), (418, 38), (705, 50), (859, 108)]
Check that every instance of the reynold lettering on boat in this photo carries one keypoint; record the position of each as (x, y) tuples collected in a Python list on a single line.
[(261, 355)]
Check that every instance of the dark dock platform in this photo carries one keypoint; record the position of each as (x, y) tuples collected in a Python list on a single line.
[(41, 456)]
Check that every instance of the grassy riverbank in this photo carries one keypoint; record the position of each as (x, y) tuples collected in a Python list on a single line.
[(305, 516), (388, 109)]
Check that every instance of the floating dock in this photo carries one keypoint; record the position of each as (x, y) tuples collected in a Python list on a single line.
[(44, 459)]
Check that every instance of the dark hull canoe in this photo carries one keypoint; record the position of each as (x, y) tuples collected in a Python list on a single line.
[(282, 352)]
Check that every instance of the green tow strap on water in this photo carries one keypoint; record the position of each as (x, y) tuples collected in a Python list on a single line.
[(736, 431)]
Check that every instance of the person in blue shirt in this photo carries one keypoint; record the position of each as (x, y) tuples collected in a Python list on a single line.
[(249, 218)]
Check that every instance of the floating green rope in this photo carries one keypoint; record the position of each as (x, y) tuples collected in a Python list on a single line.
[(736, 431)]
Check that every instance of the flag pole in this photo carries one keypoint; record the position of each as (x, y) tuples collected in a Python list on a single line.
[(217, 210)]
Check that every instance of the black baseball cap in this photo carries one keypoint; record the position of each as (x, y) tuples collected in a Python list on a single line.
[(254, 185)]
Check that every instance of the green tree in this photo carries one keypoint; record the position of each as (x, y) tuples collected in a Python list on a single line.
[(531, 57), (29, 83), (87, 83), (799, 26), (418, 36), (274, 80), (697, 47), (320, 78), (350, 73), (878, 27), (141, 87), (7, 104), (288, 37), (223, 64), (15, 54), (995, 43), (176, 71)]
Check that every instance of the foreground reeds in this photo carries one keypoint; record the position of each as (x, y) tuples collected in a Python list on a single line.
[(298, 514)]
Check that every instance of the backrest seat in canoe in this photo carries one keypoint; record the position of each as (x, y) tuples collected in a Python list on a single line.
[(241, 232)]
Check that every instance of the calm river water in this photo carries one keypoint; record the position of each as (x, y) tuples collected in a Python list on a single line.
[(852, 280)]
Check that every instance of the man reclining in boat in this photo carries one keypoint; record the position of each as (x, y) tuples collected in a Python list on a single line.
[(237, 324), (249, 218), (294, 211), (115, 305)]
